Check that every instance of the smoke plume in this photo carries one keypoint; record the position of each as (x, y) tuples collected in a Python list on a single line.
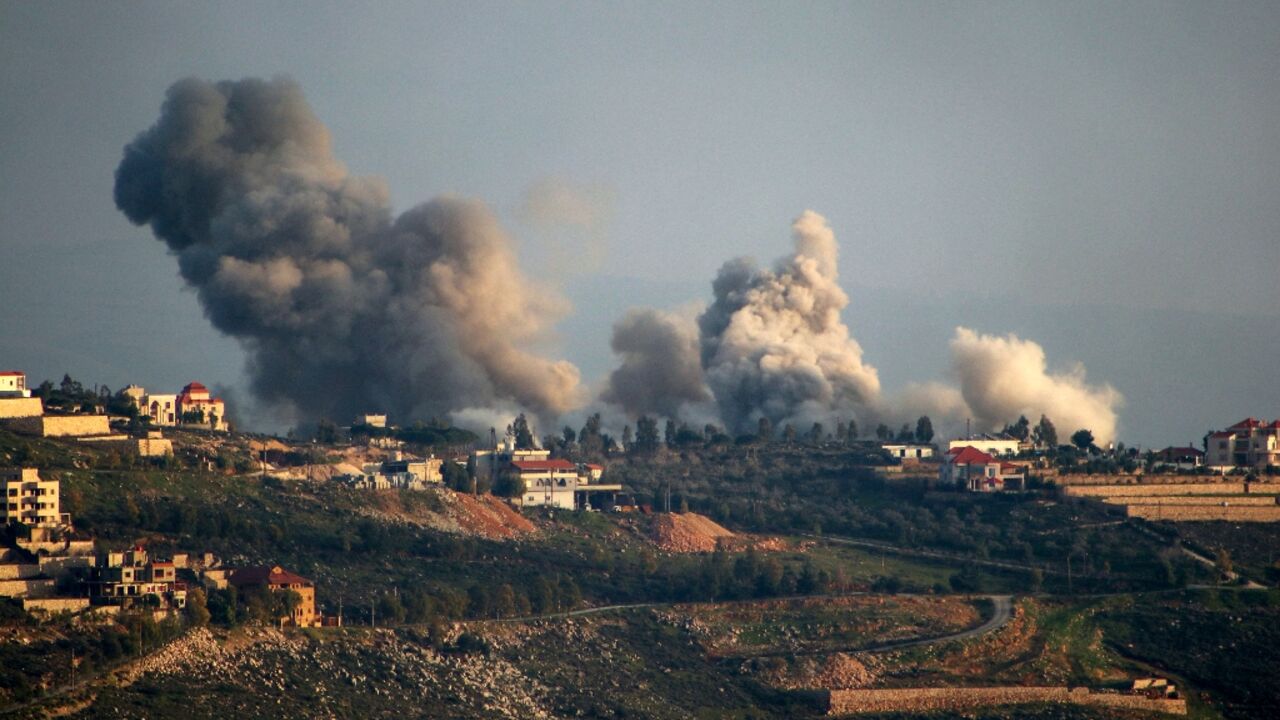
[(773, 344), (1004, 377), (660, 371), (341, 307)]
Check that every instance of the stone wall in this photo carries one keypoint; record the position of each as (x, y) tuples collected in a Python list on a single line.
[(1229, 500), (15, 571), (53, 605), (34, 587), (917, 700), (1215, 488), (154, 447), (21, 407), (62, 425), (1067, 479), (1188, 513)]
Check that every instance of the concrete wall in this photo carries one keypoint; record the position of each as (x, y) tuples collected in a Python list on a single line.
[(62, 425), (21, 407), (1189, 513), (155, 447), (1229, 500), (916, 700)]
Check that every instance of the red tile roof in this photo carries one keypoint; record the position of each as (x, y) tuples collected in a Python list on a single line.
[(1246, 424), (594, 466), (1222, 434), (10, 373), (969, 455), (265, 575), (536, 465)]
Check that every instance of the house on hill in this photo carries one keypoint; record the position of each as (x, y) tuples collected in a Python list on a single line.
[(1249, 443), (1181, 458), (559, 483), (974, 470), (987, 443), (276, 579)]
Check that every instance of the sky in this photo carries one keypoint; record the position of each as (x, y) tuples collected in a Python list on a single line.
[(1099, 177)]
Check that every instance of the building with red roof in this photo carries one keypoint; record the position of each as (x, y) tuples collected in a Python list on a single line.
[(13, 384), (972, 469), (1249, 443), (276, 579)]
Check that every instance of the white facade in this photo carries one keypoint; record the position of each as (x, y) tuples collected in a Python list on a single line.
[(988, 444), (377, 420), (908, 451), (1248, 443), (162, 409), (13, 383)]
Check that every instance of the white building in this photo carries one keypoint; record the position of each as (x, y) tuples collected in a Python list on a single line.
[(162, 409), (377, 420), (974, 470), (1249, 443), (908, 451), (993, 444), (559, 483), (13, 384), (31, 500)]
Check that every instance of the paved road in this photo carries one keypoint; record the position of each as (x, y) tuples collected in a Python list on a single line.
[(1003, 611)]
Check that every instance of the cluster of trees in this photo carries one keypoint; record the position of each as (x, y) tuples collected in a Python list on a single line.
[(71, 395)]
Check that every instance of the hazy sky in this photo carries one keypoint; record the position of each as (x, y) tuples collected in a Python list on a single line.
[(1090, 175)]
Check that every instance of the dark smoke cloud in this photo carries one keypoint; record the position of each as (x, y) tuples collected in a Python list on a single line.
[(660, 371), (340, 307)]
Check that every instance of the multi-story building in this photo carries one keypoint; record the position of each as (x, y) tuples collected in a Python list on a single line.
[(195, 405), (30, 500), (133, 576), (558, 483), (13, 383), (277, 579), (1249, 443), (975, 470)]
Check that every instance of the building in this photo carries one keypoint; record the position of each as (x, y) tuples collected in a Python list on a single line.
[(907, 451), (196, 406), (376, 420), (974, 470), (559, 483), (134, 577), (993, 444), (31, 500), (1249, 443), (488, 463), (13, 384), (276, 579), (1181, 458), (162, 409), (396, 473)]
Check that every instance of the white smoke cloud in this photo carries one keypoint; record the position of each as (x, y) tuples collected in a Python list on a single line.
[(773, 343), (571, 221), (660, 372), (1004, 377)]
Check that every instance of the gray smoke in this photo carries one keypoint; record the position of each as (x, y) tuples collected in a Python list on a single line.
[(660, 371), (340, 307), (773, 344)]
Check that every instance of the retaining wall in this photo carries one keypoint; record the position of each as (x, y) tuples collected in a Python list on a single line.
[(62, 425), (1210, 500), (18, 571), (21, 407), (1067, 479), (1215, 488), (915, 700), (34, 587), (1187, 513), (51, 606)]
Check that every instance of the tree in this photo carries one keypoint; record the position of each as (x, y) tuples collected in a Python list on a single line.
[(509, 485), (569, 436), (905, 434), (647, 434), (197, 609), (1045, 434), (626, 436), (589, 439), (883, 432), (523, 435), (764, 430), (924, 429), (1082, 439), (1020, 430), (789, 433), (815, 433), (669, 433), (851, 435)]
